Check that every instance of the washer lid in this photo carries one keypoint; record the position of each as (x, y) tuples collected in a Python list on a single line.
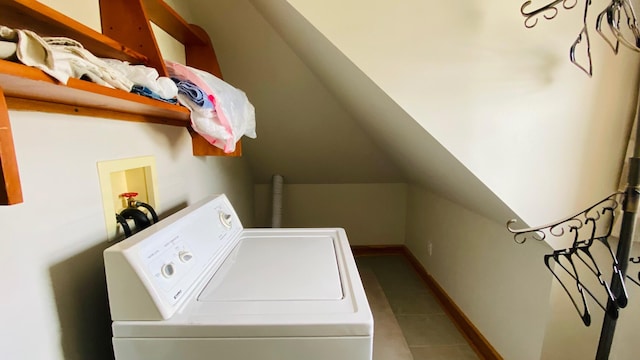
[(277, 269)]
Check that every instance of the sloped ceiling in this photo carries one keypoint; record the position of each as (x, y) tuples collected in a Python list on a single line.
[(503, 100), (422, 157), (355, 92), (314, 132)]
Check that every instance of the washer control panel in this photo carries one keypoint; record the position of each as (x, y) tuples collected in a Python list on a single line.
[(175, 261), (172, 256), (170, 263)]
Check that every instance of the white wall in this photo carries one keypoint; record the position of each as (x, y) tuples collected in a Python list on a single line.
[(372, 214), (501, 286), (54, 291)]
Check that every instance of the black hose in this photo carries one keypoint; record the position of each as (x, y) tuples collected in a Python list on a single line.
[(154, 216), (139, 218), (123, 222)]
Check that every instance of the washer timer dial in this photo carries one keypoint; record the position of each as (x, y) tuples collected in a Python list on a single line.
[(168, 270), (225, 219), (185, 256)]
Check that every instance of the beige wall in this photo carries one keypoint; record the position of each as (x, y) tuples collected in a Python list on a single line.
[(86, 12), (54, 291), (502, 287), (372, 214)]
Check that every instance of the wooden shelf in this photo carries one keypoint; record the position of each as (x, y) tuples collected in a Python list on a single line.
[(22, 82), (118, 22), (127, 36), (32, 15)]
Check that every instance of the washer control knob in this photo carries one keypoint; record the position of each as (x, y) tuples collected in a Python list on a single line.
[(225, 219), (168, 270), (185, 256)]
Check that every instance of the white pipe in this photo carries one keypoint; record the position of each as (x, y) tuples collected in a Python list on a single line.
[(276, 201)]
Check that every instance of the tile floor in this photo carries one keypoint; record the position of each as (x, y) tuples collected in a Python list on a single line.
[(428, 331)]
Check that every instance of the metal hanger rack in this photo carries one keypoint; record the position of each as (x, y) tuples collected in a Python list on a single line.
[(619, 18), (593, 226)]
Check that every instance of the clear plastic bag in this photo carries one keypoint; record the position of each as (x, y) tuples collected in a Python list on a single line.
[(233, 111), (232, 104)]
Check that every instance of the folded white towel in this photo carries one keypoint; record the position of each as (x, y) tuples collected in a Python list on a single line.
[(145, 76), (33, 51), (63, 58), (81, 62), (8, 49)]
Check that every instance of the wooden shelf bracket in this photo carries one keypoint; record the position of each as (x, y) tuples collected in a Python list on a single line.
[(10, 189)]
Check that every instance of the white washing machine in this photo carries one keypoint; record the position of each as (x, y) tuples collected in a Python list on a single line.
[(197, 285)]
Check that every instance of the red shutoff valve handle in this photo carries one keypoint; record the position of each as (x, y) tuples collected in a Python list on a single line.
[(131, 202), (129, 195)]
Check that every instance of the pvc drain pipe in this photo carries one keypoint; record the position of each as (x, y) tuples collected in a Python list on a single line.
[(276, 201)]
